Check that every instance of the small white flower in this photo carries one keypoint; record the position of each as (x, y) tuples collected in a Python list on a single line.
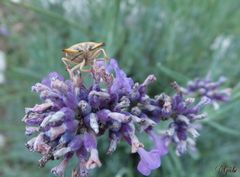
[(221, 43)]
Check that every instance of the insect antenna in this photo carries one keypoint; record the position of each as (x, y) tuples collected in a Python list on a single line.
[(98, 45)]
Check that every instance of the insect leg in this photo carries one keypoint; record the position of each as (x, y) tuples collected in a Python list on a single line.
[(106, 58), (96, 53), (66, 62), (81, 65), (76, 66)]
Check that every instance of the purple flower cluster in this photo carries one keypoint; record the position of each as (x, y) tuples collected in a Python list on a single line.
[(212, 90), (183, 129), (72, 116)]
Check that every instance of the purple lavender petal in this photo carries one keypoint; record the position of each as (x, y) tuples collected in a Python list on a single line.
[(103, 115), (76, 143), (90, 141), (143, 168), (161, 142), (52, 76), (149, 161), (121, 84)]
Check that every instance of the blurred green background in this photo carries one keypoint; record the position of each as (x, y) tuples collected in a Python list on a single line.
[(173, 39)]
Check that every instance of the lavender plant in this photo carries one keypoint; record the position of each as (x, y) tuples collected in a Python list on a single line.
[(72, 116), (206, 87)]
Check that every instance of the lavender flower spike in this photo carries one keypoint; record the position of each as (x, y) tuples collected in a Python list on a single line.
[(72, 116), (212, 90)]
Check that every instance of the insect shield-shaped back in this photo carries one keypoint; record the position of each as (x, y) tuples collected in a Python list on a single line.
[(83, 54), (80, 51)]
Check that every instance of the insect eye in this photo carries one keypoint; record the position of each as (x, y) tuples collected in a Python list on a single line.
[(79, 50), (90, 48)]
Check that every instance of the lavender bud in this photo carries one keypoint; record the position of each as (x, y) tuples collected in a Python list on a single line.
[(137, 119), (193, 132), (60, 169), (183, 119), (115, 126), (199, 116), (40, 145), (52, 118), (123, 104), (61, 152), (31, 130), (94, 122), (135, 94), (146, 123), (93, 160), (136, 111), (84, 107), (55, 132), (115, 138), (119, 117), (181, 148), (40, 88), (45, 158), (59, 85), (149, 80), (30, 143), (101, 95), (42, 107), (81, 170)]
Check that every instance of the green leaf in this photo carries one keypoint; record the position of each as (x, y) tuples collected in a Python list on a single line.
[(224, 109), (26, 72), (172, 74), (50, 14), (223, 129)]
